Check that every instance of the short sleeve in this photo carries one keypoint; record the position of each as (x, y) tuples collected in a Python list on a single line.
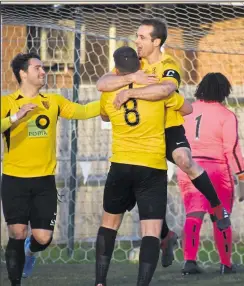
[(175, 101)]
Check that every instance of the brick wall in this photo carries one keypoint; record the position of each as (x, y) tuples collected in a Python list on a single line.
[(13, 42), (224, 35), (229, 36)]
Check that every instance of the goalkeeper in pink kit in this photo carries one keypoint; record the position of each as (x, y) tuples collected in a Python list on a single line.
[(212, 131)]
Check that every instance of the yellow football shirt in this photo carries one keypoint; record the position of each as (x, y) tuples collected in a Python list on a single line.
[(166, 70), (30, 143), (138, 129)]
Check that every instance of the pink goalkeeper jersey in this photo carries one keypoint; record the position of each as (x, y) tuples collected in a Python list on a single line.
[(212, 131)]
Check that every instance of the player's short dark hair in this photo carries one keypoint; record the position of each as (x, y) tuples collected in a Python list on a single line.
[(126, 60), (213, 87), (21, 62), (159, 29)]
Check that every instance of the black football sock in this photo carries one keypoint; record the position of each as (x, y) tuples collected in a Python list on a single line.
[(148, 259), (104, 250), (15, 259)]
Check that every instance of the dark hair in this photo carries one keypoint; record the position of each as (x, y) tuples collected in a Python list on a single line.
[(213, 87), (21, 62), (159, 29), (126, 60)]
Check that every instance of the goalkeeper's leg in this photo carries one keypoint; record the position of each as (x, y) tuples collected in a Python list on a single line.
[(201, 181), (196, 206), (223, 239)]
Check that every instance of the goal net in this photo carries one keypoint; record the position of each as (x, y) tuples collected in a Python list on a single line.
[(76, 44)]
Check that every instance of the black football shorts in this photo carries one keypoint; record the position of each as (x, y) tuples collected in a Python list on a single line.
[(175, 138), (128, 184), (31, 200)]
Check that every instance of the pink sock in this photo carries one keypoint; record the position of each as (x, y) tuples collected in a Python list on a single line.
[(191, 237), (223, 240)]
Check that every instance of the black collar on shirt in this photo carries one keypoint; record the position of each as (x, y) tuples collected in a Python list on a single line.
[(17, 95)]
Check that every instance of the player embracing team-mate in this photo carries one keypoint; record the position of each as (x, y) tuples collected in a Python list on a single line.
[(161, 75), (138, 171)]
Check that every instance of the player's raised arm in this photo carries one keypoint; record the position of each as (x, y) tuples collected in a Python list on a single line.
[(169, 83), (72, 110), (113, 81), (153, 92)]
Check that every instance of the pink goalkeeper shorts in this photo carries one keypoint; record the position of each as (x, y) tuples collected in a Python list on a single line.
[(222, 181)]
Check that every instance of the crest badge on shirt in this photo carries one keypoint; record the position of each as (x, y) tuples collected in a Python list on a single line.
[(46, 104)]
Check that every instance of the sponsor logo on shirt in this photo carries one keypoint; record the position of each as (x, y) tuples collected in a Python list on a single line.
[(38, 128)]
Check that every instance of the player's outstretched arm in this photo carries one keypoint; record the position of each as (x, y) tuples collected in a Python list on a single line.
[(7, 122), (153, 92), (72, 110), (87, 111), (112, 82)]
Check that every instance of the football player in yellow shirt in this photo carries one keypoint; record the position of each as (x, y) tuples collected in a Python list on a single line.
[(28, 125), (161, 74), (138, 172)]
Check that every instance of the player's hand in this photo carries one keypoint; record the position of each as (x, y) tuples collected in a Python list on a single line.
[(241, 191), (140, 77), (121, 98), (25, 109)]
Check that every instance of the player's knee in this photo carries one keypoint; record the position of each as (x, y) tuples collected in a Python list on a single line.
[(43, 238), (183, 159), (40, 243), (151, 227), (112, 221), (199, 214), (18, 231)]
